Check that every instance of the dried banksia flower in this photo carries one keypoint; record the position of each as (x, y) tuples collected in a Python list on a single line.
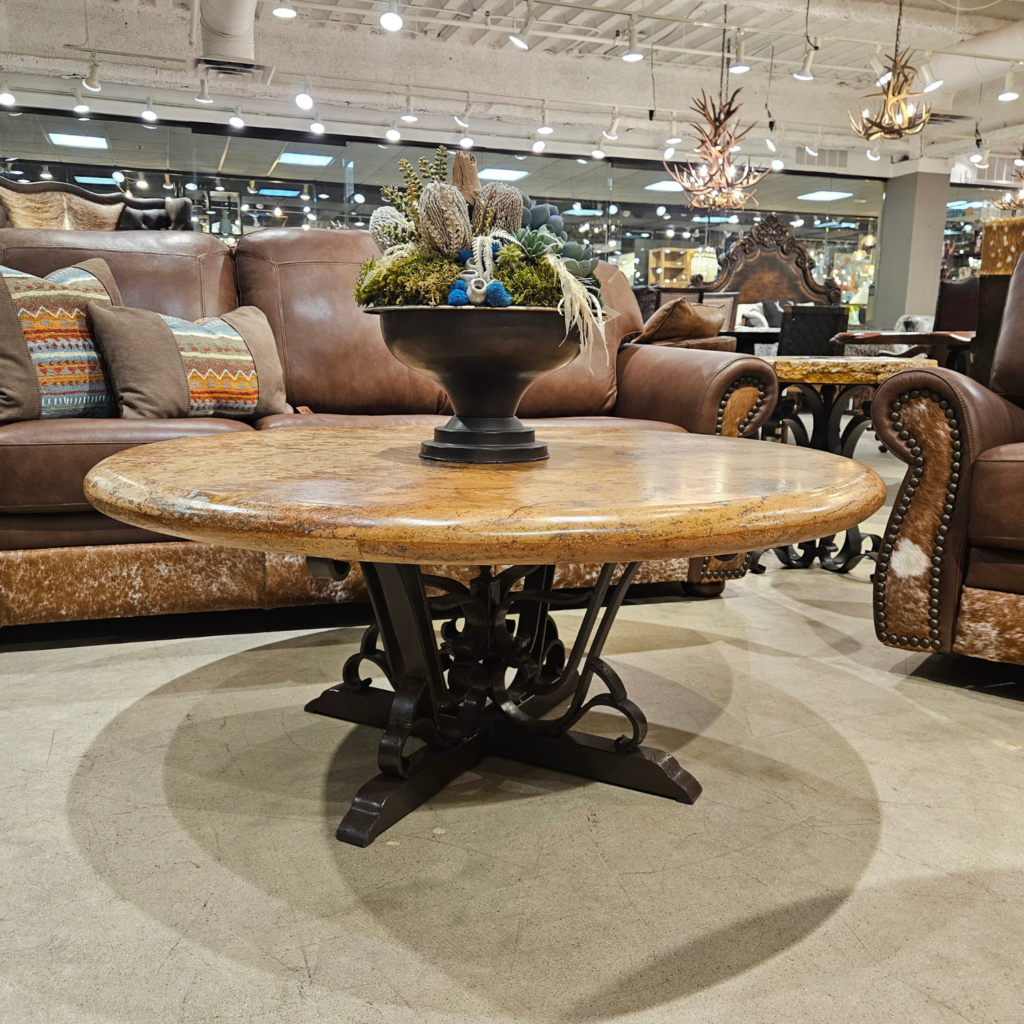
[(464, 177), (389, 227), (499, 208), (444, 219)]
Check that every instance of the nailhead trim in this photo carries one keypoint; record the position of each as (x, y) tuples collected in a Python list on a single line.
[(900, 512), (741, 382), (725, 574)]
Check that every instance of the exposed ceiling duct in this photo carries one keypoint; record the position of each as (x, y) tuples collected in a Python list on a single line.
[(227, 33), (961, 72)]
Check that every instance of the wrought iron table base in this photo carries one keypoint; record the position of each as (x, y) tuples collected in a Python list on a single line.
[(458, 699)]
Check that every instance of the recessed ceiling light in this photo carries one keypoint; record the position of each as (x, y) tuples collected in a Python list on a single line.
[(501, 174), (78, 141), (666, 185), (824, 196)]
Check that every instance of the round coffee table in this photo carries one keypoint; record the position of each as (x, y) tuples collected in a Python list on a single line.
[(500, 681)]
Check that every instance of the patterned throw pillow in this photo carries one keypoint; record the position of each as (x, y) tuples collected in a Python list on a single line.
[(49, 366), (161, 367)]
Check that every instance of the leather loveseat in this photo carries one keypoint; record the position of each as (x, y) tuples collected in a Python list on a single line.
[(60, 559), (951, 569)]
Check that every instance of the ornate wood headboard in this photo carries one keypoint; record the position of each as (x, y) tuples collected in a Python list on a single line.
[(770, 264)]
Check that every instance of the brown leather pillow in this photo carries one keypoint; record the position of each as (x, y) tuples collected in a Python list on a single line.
[(682, 321)]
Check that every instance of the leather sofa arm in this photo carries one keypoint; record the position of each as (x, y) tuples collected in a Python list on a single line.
[(703, 392), (938, 422)]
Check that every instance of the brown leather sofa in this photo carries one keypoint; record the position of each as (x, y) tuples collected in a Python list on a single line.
[(60, 559), (951, 569)]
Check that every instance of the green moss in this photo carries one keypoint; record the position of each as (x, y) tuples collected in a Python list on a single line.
[(530, 283), (421, 279)]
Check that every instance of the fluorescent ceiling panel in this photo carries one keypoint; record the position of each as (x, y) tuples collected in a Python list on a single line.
[(581, 213), (85, 179), (664, 186), (824, 196), (305, 159), (287, 193), (501, 174), (78, 141)]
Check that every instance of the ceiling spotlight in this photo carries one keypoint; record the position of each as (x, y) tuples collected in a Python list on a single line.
[(874, 155), (358, 198), (392, 135), (323, 195), (148, 113), (168, 184), (390, 19), (7, 97), (521, 39), (1009, 93), (770, 143), (660, 211), (544, 128), (670, 232), (674, 137), (92, 79), (203, 96), (882, 73), (409, 117), (191, 186), (931, 83), (217, 186), (466, 142), (778, 165), (805, 74), (670, 152), (304, 101), (539, 146), (304, 195), (284, 10), (45, 173), (739, 66), (277, 211), (306, 209), (80, 107), (244, 207), (983, 162), (118, 177), (236, 120), (633, 53), (597, 154), (317, 127), (810, 151), (141, 181), (462, 122), (310, 216)]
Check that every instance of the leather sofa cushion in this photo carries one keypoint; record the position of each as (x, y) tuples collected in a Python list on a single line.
[(997, 498), (680, 320), (299, 422), (189, 274), (71, 530), (996, 569), (43, 463)]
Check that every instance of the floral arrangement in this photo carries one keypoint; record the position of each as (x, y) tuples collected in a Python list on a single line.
[(457, 244)]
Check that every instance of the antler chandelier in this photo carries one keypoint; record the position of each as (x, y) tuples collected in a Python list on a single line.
[(717, 183), (897, 118), (1009, 200)]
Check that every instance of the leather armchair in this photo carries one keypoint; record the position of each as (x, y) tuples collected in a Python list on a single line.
[(951, 569)]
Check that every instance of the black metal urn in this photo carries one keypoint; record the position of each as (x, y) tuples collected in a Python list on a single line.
[(485, 359)]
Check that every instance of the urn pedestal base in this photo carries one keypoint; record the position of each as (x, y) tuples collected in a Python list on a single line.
[(484, 439)]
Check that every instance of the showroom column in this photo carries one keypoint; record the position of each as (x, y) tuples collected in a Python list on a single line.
[(909, 259)]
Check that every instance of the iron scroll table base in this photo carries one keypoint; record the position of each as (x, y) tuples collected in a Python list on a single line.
[(826, 405), (501, 682)]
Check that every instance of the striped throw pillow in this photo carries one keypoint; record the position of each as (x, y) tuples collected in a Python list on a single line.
[(49, 366)]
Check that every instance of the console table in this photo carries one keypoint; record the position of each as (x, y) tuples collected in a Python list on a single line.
[(501, 680)]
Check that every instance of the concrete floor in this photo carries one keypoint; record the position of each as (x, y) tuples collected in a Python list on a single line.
[(858, 854)]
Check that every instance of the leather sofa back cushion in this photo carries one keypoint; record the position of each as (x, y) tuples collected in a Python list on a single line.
[(58, 210), (162, 367), (49, 367), (682, 321), (181, 273)]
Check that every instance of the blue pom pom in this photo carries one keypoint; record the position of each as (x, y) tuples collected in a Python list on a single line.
[(464, 257), (460, 285), (494, 248), (496, 295), (458, 297)]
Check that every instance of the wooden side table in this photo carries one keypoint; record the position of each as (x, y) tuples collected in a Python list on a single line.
[(501, 681)]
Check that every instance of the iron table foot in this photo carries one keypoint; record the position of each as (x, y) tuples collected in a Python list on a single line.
[(458, 698)]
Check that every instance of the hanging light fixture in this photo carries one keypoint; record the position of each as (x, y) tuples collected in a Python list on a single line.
[(168, 184), (931, 83), (633, 53), (45, 173), (539, 146), (316, 126), (544, 128), (805, 74), (236, 120), (739, 65), (203, 96), (141, 182), (7, 97), (92, 79), (882, 73), (612, 131), (1009, 93), (898, 116), (285, 11), (390, 20), (304, 194), (409, 117), (673, 136), (521, 39), (148, 113), (716, 183), (303, 100), (80, 107), (393, 135)]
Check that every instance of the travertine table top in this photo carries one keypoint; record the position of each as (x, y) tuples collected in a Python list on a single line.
[(841, 369), (603, 496)]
